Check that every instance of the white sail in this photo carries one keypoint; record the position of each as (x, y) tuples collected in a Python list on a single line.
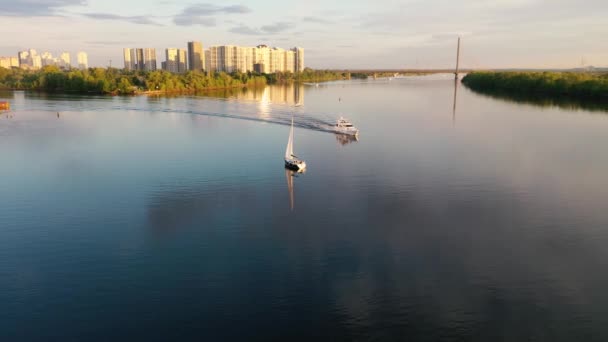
[(289, 149)]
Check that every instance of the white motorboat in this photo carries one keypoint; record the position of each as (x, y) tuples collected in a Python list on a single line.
[(345, 127), (291, 160)]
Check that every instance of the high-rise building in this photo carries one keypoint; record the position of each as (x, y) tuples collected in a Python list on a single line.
[(176, 60), (206, 60), (182, 65), (140, 59), (64, 60), (276, 58), (299, 59), (223, 58), (47, 59), (149, 59), (262, 59), (290, 61), (196, 57), (170, 63), (83, 60), (37, 62), (9, 62), (130, 59), (24, 59), (30, 59)]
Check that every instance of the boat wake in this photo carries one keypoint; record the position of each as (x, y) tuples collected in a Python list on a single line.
[(238, 110), (300, 121)]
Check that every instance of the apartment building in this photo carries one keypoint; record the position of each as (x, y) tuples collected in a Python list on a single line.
[(83, 60), (140, 59), (263, 59), (196, 56), (9, 62), (176, 60)]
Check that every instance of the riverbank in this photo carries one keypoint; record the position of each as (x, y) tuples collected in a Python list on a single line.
[(556, 85), (112, 81)]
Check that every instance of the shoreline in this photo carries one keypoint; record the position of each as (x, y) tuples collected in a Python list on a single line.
[(166, 92), (585, 87)]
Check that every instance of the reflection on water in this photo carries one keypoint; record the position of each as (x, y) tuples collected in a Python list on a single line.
[(345, 139), (289, 94), (563, 101), (173, 210), (264, 103), (289, 175), (454, 106)]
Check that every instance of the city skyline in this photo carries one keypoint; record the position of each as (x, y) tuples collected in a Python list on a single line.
[(344, 34), (33, 59)]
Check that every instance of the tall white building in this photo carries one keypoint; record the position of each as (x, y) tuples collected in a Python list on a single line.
[(130, 56), (207, 60), (261, 59), (149, 59), (140, 59), (9, 62), (298, 59), (83, 60), (176, 60), (196, 57), (64, 60), (222, 58), (47, 59), (30, 59)]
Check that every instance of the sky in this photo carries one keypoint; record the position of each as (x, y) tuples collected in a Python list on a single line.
[(334, 33)]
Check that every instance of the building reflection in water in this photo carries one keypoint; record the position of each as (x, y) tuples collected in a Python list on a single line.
[(345, 139), (263, 103), (289, 175), (288, 94)]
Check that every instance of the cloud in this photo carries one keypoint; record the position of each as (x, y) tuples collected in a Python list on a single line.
[(315, 20), (266, 29), (242, 29), (203, 14), (110, 42), (34, 8), (276, 28), (185, 20), (137, 19)]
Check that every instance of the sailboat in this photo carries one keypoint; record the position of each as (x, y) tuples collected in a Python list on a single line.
[(291, 161)]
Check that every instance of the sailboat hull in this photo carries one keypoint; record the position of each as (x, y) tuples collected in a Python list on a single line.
[(295, 164)]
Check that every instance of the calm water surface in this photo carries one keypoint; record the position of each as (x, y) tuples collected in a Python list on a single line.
[(172, 218)]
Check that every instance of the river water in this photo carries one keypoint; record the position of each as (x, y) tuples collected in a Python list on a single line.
[(172, 218)]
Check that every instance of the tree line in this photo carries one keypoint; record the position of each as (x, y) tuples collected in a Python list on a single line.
[(118, 81), (576, 85)]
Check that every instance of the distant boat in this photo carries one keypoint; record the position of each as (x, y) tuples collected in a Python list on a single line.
[(344, 126), (292, 161)]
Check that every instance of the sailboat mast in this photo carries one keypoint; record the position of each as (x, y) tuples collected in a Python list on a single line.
[(289, 148), (291, 139)]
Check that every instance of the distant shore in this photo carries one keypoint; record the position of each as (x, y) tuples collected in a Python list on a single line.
[(582, 86), (112, 81)]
